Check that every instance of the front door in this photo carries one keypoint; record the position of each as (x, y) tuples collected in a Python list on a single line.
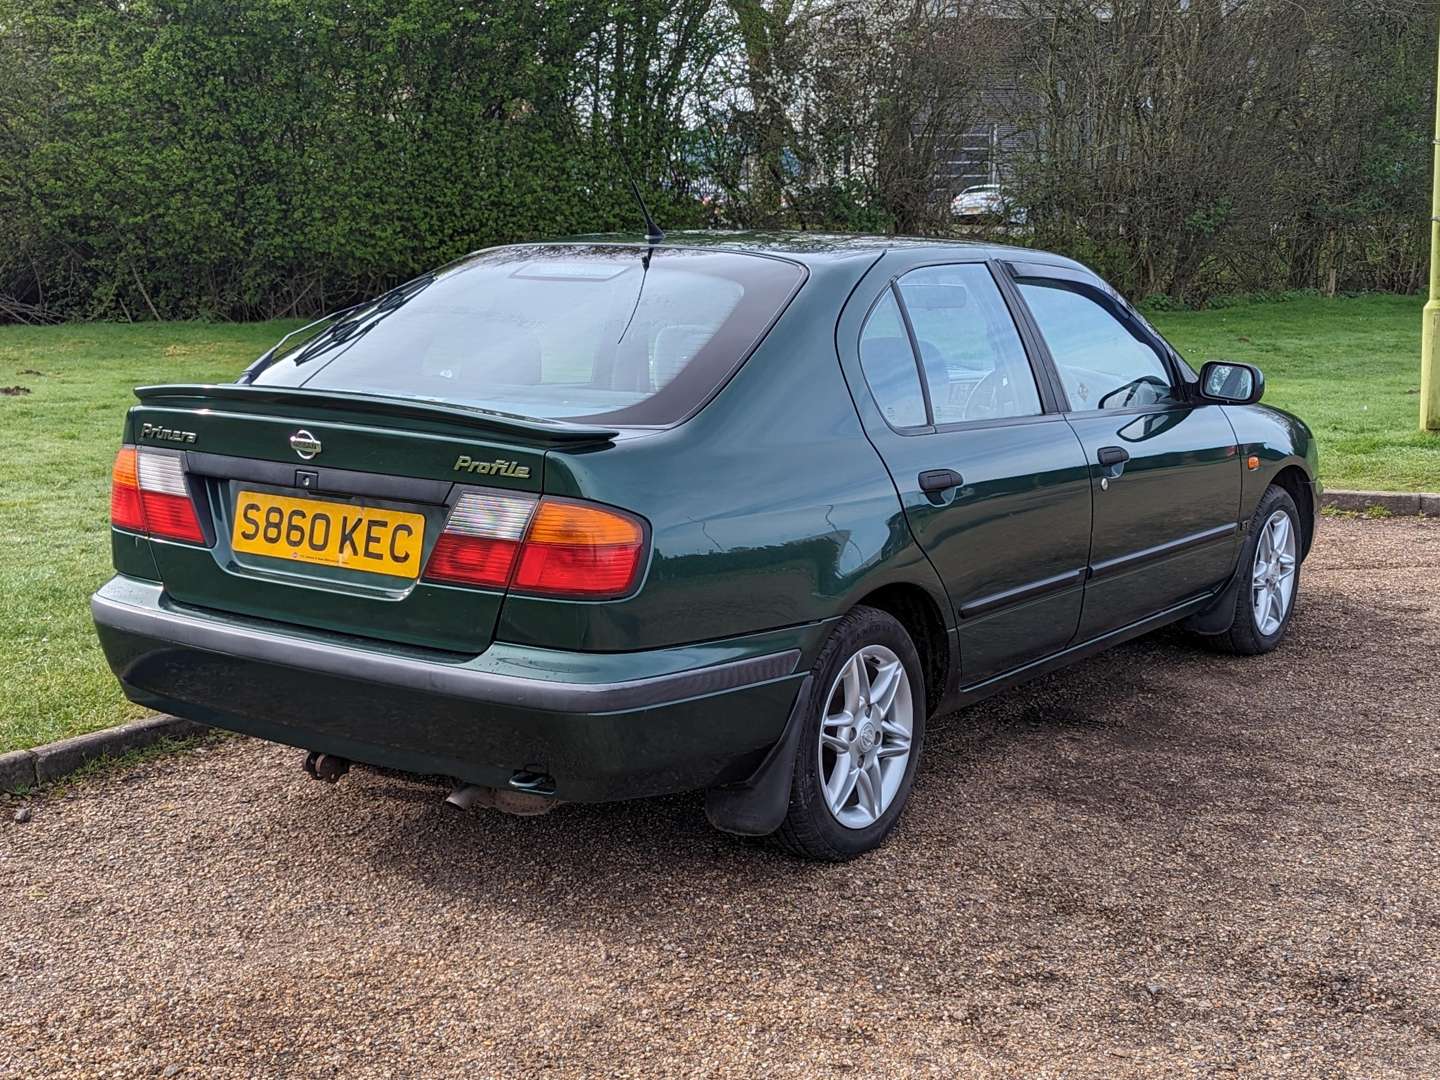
[(994, 482), (1165, 469)]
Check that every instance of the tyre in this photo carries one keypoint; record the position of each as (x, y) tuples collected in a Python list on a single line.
[(859, 747), (1270, 579)]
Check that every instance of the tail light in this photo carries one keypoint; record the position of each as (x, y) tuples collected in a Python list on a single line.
[(549, 547), (125, 510), (148, 494), (573, 549), (481, 539)]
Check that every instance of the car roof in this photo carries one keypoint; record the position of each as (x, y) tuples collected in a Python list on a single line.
[(815, 247)]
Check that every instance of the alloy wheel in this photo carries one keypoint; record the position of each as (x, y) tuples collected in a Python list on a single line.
[(1273, 577), (865, 736)]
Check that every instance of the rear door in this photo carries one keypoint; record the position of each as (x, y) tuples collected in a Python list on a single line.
[(1165, 470), (993, 482)]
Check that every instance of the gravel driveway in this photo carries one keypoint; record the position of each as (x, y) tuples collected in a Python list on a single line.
[(1161, 863)]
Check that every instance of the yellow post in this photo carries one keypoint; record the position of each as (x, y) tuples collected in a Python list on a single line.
[(1430, 332)]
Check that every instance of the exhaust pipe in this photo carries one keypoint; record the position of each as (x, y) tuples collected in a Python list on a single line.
[(469, 796), (517, 803)]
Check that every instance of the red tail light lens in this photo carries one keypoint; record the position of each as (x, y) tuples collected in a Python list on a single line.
[(470, 560), (573, 549), (148, 494), (553, 547), (125, 509), (481, 539), (169, 512)]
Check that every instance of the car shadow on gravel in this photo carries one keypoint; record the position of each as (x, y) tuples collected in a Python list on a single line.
[(1086, 803), (1106, 740)]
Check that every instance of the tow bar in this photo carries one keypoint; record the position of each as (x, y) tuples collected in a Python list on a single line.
[(326, 767)]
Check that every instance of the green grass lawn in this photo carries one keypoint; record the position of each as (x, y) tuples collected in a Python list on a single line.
[(57, 444), (1349, 367)]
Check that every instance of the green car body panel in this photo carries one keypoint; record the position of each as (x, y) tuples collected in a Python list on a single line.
[(776, 506)]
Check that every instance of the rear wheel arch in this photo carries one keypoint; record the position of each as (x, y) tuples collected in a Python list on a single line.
[(760, 805), (840, 733), (918, 612)]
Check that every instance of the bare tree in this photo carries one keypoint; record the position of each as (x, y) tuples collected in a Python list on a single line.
[(1214, 145)]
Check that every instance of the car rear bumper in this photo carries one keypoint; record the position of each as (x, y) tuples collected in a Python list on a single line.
[(602, 725)]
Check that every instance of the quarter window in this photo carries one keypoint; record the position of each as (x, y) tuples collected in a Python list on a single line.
[(889, 366), (974, 362), (1101, 362)]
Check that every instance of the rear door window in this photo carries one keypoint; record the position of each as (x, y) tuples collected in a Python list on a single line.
[(970, 351), (583, 332)]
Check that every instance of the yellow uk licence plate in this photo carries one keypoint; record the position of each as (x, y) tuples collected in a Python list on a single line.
[(329, 533)]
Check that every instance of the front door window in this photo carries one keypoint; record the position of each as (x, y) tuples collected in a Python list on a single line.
[(1101, 363)]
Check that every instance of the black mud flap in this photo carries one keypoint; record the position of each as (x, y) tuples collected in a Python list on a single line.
[(1220, 615), (759, 805)]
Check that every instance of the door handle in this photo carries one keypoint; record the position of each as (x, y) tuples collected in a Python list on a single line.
[(1112, 460), (936, 481)]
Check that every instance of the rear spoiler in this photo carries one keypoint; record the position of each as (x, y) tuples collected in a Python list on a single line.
[(529, 428)]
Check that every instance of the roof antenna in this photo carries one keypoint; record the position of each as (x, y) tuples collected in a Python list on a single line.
[(653, 233)]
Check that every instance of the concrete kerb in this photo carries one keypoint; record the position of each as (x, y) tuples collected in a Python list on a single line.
[(25, 769)]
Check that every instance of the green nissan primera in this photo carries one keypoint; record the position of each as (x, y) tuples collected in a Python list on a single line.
[(597, 520)]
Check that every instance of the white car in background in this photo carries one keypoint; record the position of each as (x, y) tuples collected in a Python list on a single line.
[(986, 202)]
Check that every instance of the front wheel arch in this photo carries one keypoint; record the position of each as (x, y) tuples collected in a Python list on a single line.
[(1298, 485), (1220, 624)]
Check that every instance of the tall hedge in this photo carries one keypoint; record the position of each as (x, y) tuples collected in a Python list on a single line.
[(257, 158), (254, 158)]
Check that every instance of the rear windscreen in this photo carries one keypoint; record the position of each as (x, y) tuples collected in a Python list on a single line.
[(596, 333)]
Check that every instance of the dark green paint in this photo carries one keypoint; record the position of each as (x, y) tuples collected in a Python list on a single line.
[(131, 556), (1183, 478), (784, 502), (688, 744)]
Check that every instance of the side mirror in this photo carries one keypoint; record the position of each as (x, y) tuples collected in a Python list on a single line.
[(1231, 384)]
